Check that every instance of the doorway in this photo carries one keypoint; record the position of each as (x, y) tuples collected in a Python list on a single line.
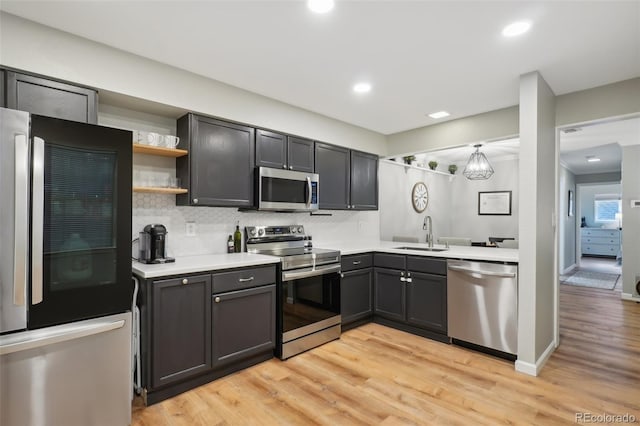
[(590, 222)]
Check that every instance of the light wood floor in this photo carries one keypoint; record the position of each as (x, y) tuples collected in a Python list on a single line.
[(375, 375)]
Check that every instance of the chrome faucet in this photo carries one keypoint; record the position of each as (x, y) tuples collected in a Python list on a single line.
[(429, 228)]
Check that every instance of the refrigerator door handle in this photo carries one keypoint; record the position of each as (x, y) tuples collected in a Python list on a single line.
[(44, 337), (21, 211), (37, 220)]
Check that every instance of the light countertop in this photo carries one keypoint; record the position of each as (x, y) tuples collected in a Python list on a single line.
[(207, 262), (491, 254), (213, 262)]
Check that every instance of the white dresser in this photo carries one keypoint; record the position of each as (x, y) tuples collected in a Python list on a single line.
[(600, 242)]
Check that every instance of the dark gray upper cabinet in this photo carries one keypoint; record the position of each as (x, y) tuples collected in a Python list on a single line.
[(348, 179), (271, 149), (332, 165), (283, 152), (364, 181), (44, 96), (180, 329), (218, 170), (300, 154), (3, 79), (243, 324)]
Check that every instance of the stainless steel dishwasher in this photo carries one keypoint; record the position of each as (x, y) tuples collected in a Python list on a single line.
[(482, 304)]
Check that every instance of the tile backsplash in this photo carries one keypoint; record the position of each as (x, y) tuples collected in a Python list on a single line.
[(215, 224)]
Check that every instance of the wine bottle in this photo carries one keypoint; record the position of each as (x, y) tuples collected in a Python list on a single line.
[(237, 239)]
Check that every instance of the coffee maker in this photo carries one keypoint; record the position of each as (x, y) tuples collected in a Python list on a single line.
[(153, 245)]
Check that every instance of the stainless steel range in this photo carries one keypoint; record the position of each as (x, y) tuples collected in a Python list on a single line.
[(308, 291)]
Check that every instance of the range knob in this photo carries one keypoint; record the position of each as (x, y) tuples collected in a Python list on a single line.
[(252, 232), (261, 232), (294, 230), (300, 230)]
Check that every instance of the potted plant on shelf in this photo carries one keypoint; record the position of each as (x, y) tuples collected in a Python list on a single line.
[(409, 158), (433, 164), (453, 168)]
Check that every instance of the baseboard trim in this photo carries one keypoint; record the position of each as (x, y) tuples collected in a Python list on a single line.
[(631, 297), (569, 269), (534, 369)]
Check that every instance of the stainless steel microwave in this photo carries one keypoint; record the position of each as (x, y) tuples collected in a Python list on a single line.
[(286, 190)]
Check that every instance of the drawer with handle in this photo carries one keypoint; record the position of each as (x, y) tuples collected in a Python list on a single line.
[(243, 278), (356, 261)]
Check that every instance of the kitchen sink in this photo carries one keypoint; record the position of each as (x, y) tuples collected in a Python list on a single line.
[(422, 248)]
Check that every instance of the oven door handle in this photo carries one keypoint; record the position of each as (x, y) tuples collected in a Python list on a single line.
[(320, 270)]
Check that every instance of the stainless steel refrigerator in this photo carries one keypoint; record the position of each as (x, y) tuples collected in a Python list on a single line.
[(65, 272)]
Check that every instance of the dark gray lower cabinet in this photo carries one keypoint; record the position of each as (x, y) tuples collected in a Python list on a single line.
[(197, 328), (44, 96), (356, 298), (243, 324), (181, 329), (415, 296), (427, 301), (356, 289), (389, 294)]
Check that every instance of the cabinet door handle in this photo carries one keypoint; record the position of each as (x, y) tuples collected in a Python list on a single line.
[(290, 167), (244, 280), (284, 166), (195, 201), (403, 279), (357, 262), (341, 275), (185, 281), (217, 299), (409, 280)]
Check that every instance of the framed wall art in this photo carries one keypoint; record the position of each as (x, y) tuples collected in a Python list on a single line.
[(494, 203)]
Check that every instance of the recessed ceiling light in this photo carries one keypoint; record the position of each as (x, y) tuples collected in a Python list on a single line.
[(362, 87), (320, 6), (516, 29), (592, 159), (439, 114)]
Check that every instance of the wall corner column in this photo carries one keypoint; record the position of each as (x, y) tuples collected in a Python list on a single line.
[(537, 224)]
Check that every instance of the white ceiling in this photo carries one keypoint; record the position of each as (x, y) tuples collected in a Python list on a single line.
[(420, 56)]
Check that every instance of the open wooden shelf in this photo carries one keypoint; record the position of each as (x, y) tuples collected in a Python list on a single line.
[(156, 150), (158, 190)]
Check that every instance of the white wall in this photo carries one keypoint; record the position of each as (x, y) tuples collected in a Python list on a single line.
[(465, 221), (453, 203), (215, 224), (567, 224), (482, 127), (32, 47), (397, 216), (630, 221), (587, 194)]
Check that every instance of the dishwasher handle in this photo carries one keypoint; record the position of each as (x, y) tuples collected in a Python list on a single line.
[(481, 272)]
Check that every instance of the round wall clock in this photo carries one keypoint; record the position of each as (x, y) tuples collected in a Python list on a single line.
[(420, 197)]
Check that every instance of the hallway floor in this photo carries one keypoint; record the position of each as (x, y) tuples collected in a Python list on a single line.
[(602, 264)]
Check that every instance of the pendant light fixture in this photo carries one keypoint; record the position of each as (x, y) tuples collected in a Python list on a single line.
[(478, 166)]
